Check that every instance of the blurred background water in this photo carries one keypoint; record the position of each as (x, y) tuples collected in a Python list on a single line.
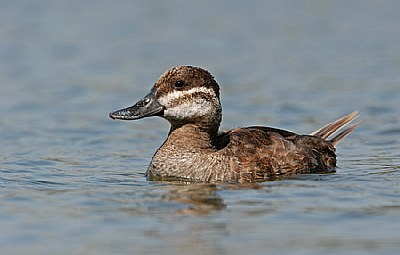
[(72, 180)]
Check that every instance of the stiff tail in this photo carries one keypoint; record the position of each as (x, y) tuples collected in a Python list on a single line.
[(333, 127)]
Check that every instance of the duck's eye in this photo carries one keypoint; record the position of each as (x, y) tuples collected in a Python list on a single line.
[(179, 84)]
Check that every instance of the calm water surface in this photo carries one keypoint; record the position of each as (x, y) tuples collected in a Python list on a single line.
[(72, 180)]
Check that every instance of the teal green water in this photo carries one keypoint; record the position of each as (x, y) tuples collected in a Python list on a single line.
[(72, 180)]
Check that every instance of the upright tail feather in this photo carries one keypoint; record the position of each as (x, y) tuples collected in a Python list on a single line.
[(333, 127)]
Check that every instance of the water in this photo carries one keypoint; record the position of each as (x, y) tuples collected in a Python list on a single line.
[(72, 180)]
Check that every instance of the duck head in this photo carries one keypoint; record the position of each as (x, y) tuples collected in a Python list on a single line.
[(182, 95)]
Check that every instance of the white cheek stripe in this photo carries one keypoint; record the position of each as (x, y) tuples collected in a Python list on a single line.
[(164, 100), (190, 109)]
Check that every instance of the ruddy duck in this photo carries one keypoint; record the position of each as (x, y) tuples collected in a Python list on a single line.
[(188, 97)]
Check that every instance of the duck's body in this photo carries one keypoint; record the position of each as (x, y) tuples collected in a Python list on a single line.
[(188, 97)]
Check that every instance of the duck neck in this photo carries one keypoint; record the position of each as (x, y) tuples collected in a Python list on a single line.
[(191, 136)]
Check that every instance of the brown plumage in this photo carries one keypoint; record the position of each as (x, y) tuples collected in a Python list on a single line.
[(188, 97)]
